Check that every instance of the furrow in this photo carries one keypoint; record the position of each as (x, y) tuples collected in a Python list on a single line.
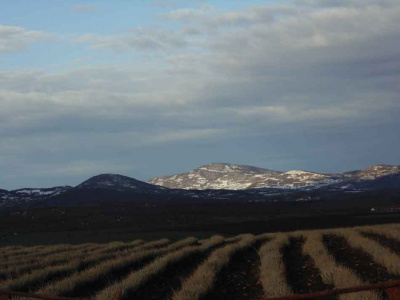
[(91, 276), (86, 256), (332, 273), (240, 278), (161, 284), (202, 280), (380, 254)]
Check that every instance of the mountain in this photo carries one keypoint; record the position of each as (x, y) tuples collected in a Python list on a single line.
[(213, 182), (27, 195), (215, 176), (238, 177), (376, 171), (117, 182), (97, 188), (372, 178), (298, 179)]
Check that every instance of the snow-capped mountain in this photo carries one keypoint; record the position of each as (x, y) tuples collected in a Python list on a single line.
[(371, 178), (216, 176), (213, 181), (298, 179), (376, 171), (238, 177)]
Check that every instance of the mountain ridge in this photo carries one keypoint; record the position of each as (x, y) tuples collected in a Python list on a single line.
[(214, 181), (237, 177)]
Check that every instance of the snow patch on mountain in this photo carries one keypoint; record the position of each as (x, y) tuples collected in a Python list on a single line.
[(238, 177), (27, 195), (215, 176), (377, 171)]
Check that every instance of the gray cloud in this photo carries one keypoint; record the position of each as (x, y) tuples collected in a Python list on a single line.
[(14, 38), (83, 8)]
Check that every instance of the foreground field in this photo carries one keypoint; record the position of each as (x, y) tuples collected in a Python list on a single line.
[(242, 267)]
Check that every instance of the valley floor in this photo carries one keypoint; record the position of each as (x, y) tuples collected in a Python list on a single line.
[(126, 220)]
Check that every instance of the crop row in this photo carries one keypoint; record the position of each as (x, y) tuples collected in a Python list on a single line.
[(242, 267)]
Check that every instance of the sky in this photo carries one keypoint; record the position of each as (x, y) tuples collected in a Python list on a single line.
[(153, 88)]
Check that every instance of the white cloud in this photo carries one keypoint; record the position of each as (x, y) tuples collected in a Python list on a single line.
[(14, 38), (190, 15), (141, 39)]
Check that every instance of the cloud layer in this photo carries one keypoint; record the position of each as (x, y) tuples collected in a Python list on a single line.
[(303, 68), (14, 38)]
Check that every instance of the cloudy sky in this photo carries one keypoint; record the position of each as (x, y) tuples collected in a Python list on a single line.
[(151, 88)]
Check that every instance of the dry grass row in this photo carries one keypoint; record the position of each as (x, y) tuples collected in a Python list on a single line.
[(122, 246), (379, 254), (201, 281), (387, 231), (87, 276), (332, 273), (15, 251), (12, 248), (108, 258), (15, 271), (273, 272), (40, 259), (41, 249), (33, 279), (59, 257), (34, 256), (140, 277)]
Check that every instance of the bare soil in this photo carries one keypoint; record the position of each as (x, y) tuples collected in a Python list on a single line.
[(301, 273), (240, 279)]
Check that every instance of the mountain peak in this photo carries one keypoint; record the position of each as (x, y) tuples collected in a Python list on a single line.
[(229, 168), (215, 176), (113, 181), (377, 171)]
